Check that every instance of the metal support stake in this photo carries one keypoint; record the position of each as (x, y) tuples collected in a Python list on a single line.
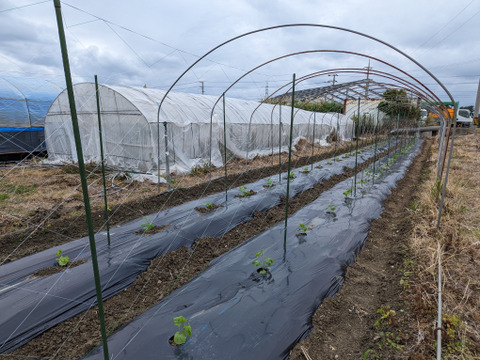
[(376, 139), (167, 161), (280, 144), (288, 171), (439, 307), (225, 147), (102, 160), (81, 168), (337, 137), (313, 135), (356, 153), (448, 170), (398, 130)]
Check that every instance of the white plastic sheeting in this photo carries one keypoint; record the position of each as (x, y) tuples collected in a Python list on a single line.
[(130, 128)]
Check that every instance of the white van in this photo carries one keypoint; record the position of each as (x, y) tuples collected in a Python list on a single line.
[(464, 118)]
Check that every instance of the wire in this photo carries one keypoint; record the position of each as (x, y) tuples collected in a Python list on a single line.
[(24, 6)]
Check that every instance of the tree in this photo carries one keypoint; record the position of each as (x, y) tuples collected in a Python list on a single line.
[(397, 103), (322, 106)]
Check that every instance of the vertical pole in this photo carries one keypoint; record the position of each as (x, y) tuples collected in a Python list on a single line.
[(280, 144), (288, 171), (225, 147), (102, 159), (398, 130), (477, 106), (356, 152), (81, 168), (448, 169), (313, 135), (271, 134), (337, 137), (167, 161), (353, 132), (376, 139), (439, 307)]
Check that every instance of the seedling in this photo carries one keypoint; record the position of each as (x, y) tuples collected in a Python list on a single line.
[(319, 166), (363, 182), (270, 182), (348, 192), (147, 225), (302, 228), (61, 260), (208, 205), (180, 336), (291, 175), (331, 209), (387, 316), (262, 262), (337, 159), (243, 190), (305, 169), (329, 163)]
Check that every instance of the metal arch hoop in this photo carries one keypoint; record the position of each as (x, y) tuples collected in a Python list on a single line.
[(295, 54), (281, 27)]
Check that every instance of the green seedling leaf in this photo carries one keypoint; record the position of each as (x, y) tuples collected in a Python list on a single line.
[(262, 263), (302, 228), (179, 338), (61, 260)]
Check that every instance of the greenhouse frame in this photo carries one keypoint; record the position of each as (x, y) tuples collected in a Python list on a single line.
[(193, 125)]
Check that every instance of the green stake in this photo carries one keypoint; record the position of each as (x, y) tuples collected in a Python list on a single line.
[(102, 159), (225, 147), (81, 168), (288, 171)]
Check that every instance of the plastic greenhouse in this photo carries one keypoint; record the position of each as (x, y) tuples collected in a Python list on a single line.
[(195, 133), (24, 102)]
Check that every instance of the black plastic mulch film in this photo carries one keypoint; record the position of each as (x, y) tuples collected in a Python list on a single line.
[(36, 304)]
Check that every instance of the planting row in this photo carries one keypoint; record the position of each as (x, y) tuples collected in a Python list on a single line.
[(38, 303), (256, 301)]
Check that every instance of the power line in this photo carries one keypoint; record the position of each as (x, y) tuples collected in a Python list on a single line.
[(24, 6), (145, 36), (444, 26)]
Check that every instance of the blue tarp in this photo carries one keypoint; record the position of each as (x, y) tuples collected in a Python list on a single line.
[(24, 103)]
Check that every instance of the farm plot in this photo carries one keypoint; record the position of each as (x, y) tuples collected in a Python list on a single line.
[(238, 314), (297, 182), (42, 206), (125, 261)]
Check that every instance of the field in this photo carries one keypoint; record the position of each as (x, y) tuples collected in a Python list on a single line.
[(396, 267)]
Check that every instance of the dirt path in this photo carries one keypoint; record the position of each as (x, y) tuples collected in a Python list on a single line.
[(344, 325)]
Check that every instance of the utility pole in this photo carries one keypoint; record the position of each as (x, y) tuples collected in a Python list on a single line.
[(368, 79), (203, 87), (334, 76), (333, 83), (266, 91)]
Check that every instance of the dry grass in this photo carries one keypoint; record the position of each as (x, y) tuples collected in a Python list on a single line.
[(32, 194), (459, 238)]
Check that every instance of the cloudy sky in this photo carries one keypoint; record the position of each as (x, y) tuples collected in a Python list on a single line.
[(151, 42)]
